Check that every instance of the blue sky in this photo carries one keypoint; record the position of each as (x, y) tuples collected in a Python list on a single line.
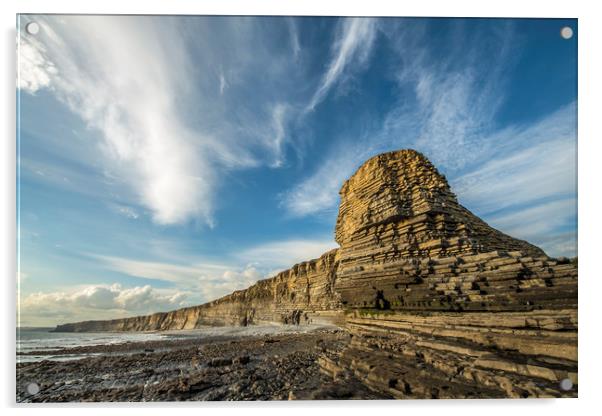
[(166, 161)]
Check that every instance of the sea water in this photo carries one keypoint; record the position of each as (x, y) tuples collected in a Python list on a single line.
[(41, 339)]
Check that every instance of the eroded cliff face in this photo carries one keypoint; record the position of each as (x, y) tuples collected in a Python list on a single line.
[(302, 294), (439, 304), (398, 205)]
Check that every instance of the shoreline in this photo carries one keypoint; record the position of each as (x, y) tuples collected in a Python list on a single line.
[(199, 335), (276, 366)]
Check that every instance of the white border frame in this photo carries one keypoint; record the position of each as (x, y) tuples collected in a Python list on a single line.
[(590, 71)]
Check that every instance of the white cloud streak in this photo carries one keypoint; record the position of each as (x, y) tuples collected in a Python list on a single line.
[(168, 131), (437, 116), (352, 46), (528, 163), (558, 244), (294, 36), (320, 192), (223, 84), (126, 211), (246, 267), (537, 221), (125, 84), (184, 275), (286, 253), (279, 120), (204, 281), (35, 70), (528, 188)]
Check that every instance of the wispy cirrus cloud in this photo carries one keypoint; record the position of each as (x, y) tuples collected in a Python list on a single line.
[(186, 274), (448, 112), (436, 115), (550, 225), (280, 114), (294, 37), (319, 193), (208, 280), (154, 146), (286, 253), (201, 281), (352, 46), (131, 100), (528, 187), (192, 272), (525, 164), (168, 133), (534, 222), (126, 211)]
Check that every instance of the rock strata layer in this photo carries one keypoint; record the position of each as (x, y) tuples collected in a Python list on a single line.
[(302, 294), (438, 303)]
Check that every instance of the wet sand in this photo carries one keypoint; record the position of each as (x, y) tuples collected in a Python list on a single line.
[(258, 367)]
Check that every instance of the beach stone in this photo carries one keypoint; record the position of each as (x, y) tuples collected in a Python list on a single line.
[(195, 361), (220, 362), (242, 359)]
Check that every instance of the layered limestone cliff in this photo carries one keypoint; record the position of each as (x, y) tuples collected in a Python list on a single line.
[(438, 303), (302, 294)]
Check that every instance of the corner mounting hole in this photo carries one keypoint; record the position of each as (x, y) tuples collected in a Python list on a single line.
[(566, 384), (566, 32), (32, 28), (33, 388)]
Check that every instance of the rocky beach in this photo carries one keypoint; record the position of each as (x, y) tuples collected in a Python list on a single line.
[(280, 366)]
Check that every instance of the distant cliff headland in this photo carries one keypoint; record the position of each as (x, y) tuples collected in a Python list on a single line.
[(439, 303)]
